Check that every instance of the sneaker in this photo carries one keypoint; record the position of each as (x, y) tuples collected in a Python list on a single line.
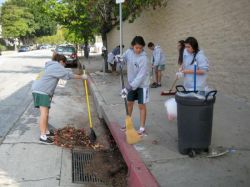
[(123, 128), (51, 133), (153, 84), (156, 85), (141, 132), (47, 141)]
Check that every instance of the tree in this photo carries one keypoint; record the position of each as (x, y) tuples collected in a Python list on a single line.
[(58, 38), (106, 13), (86, 18), (26, 19), (17, 22), (75, 17)]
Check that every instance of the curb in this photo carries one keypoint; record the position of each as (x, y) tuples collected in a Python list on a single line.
[(138, 173)]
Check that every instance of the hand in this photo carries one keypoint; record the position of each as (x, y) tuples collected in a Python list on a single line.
[(179, 74), (84, 77), (124, 93), (119, 59), (181, 68)]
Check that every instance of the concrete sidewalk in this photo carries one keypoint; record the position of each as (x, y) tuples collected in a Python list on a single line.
[(24, 162), (158, 151)]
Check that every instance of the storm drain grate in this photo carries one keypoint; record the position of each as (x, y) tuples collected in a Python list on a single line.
[(80, 159)]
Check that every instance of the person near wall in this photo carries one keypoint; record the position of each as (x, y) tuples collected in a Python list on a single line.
[(138, 80), (111, 58), (193, 55), (158, 63)]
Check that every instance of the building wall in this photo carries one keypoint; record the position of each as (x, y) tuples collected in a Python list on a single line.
[(222, 28)]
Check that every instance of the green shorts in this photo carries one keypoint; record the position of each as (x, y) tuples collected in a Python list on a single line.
[(160, 67), (41, 100), (140, 94)]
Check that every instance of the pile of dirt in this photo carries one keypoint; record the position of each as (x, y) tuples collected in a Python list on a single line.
[(70, 137), (106, 164), (109, 167)]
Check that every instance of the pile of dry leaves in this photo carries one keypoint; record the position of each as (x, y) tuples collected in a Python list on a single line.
[(70, 137)]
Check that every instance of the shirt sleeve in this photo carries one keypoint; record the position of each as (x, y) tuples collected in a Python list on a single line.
[(143, 68), (126, 55), (62, 73), (202, 62)]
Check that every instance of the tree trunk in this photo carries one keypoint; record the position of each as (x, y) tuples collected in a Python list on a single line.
[(86, 48), (105, 52)]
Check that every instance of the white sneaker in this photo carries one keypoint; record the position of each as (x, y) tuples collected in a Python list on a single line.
[(141, 131)]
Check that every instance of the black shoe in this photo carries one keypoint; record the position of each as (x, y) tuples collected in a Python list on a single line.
[(51, 133), (154, 85), (48, 141)]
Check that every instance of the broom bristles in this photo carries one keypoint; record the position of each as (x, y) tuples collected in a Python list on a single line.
[(131, 135)]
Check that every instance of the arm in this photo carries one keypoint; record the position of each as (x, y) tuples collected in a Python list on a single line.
[(62, 73), (202, 66), (75, 76), (190, 71)]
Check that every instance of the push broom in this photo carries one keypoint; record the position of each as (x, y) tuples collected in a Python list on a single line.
[(132, 136), (169, 92)]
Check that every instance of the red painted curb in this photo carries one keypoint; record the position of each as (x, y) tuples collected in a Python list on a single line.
[(138, 173)]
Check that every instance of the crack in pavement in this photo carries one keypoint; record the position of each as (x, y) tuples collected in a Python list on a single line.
[(26, 143), (60, 169), (36, 180)]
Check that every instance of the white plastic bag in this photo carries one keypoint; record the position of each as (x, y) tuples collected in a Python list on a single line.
[(171, 108), (111, 58)]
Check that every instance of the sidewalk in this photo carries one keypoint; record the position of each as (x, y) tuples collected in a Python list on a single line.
[(24, 162), (158, 151), (8, 52)]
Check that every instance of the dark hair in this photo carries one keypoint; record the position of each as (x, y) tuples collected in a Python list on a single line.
[(119, 46), (151, 44), (58, 58), (194, 44), (138, 40), (180, 59)]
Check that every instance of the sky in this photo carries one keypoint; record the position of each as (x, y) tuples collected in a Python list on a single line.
[(1, 1)]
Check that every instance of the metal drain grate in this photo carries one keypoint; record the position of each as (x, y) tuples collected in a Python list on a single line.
[(80, 159)]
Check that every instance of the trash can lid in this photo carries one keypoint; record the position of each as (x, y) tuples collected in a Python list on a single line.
[(192, 98)]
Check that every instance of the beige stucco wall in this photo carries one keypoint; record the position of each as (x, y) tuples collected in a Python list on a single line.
[(222, 28)]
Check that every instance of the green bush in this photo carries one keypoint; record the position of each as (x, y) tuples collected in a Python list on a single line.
[(2, 48), (10, 48)]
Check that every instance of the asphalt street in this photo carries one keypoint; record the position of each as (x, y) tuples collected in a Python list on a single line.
[(17, 70)]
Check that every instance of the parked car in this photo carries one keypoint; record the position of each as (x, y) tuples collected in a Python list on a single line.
[(69, 52), (46, 46), (23, 49), (32, 47)]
